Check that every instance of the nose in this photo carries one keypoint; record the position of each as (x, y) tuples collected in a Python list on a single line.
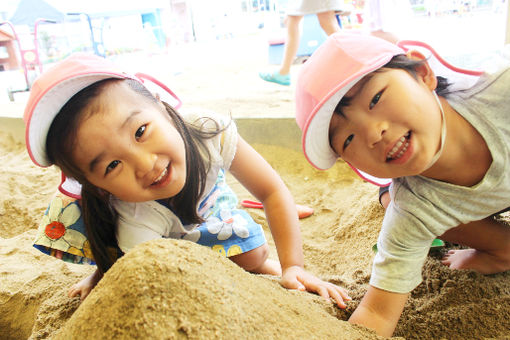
[(144, 162), (375, 132)]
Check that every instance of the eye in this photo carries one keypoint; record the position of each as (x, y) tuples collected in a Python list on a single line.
[(375, 100), (348, 141), (141, 130), (111, 166)]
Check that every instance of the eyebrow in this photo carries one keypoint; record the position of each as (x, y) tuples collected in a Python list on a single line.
[(363, 82), (346, 100), (129, 118), (93, 163)]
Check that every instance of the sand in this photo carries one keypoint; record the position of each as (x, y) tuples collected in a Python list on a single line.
[(166, 289)]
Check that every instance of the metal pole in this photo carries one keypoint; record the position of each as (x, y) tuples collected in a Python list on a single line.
[(507, 35)]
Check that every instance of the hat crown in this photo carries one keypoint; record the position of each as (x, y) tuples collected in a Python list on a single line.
[(75, 65), (342, 58), (55, 87), (327, 75)]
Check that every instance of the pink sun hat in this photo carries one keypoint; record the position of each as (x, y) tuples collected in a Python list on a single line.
[(333, 69), (56, 86)]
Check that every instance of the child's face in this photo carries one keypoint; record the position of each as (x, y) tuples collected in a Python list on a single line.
[(392, 127), (128, 146)]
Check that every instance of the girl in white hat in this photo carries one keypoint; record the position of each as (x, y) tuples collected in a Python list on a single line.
[(148, 172), (441, 134)]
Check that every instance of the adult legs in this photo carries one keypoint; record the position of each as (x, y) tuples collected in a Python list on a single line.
[(328, 22), (291, 44), (329, 25)]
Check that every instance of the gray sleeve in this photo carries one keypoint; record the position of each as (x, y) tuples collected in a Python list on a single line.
[(403, 245)]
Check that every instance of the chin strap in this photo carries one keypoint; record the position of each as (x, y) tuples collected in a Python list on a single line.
[(443, 133)]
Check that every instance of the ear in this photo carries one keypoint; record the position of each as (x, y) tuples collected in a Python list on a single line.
[(423, 72)]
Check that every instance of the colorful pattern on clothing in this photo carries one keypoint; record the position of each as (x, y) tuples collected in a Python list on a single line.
[(61, 232), (227, 230)]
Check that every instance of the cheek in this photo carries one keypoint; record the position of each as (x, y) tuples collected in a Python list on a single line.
[(336, 141), (177, 142), (336, 144)]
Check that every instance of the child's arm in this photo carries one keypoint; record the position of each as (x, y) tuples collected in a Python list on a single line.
[(379, 310), (84, 287), (256, 175)]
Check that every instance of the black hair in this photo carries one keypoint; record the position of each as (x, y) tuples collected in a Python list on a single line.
[(402, 62), (99, 215)]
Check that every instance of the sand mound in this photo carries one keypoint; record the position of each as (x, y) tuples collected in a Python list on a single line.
[(167, 289)]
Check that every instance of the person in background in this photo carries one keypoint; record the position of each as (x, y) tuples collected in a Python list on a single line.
[(296, 9)]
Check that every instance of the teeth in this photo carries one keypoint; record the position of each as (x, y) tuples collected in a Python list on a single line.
[(161, 176), (398, 145)]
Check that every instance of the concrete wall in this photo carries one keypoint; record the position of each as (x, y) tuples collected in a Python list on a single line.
[(273, 131)]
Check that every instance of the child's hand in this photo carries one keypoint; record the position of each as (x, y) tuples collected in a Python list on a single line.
[(296, 277), (84, 287)]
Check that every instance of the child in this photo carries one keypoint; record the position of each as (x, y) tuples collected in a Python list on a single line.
[(325, 12), (375, 105), (147, 172)]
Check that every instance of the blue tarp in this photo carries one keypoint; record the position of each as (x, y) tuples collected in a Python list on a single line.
[(29, 11)]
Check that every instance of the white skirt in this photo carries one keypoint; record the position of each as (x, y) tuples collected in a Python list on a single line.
[(303, 7)]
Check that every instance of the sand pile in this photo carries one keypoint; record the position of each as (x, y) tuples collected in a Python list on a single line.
[(166, 289)]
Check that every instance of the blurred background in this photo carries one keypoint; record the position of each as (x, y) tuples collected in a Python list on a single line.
[(177, 35)]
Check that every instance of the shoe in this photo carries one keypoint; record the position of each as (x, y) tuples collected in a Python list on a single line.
[(276, 77)]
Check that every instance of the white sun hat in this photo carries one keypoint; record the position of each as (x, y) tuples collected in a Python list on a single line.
[(55, 87), (333, 69)]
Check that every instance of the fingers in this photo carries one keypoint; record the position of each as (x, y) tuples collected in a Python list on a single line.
[(330, 292), (73, 291), (339, 295), (84, 293), (326, 290), (76, 290), (297, 278), (292, 284)]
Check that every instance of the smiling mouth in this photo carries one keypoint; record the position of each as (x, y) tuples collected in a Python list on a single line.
[(400, 148), (161, 177)]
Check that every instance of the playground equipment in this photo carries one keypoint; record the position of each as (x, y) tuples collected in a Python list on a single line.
[(30, 61), (96, 33)]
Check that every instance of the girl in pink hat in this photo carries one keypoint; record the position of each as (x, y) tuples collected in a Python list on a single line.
[(441, 134), (147, 172)]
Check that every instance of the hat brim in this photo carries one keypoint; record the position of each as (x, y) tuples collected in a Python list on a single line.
[(316, 144), (49, 104), (315, 140), (70, 187)]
